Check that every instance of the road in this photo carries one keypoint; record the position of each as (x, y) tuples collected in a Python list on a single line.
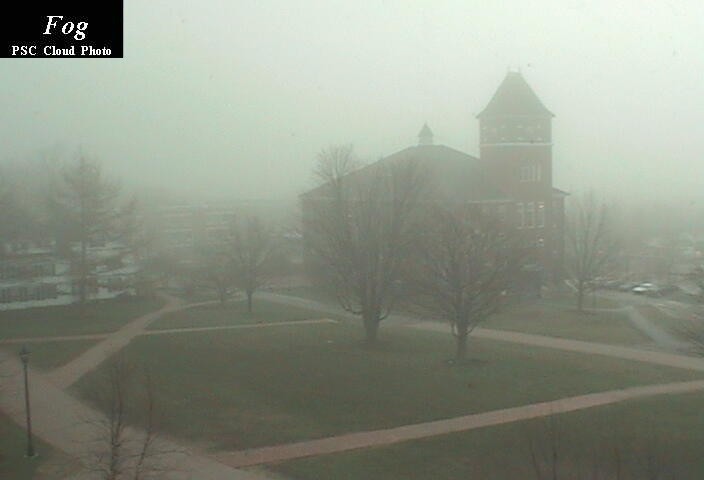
[(662, 337)]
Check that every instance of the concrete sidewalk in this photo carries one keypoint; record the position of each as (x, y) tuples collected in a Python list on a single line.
[(76, 429), (70, 425), (377, 438), (591, 348), (68, 374), (254, 326)]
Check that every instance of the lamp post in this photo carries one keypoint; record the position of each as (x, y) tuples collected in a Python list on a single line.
[(24, 356)]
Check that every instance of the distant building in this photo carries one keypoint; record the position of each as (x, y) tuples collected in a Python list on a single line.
[(182, 229), (34, 274), (29, 272), (511, 180)]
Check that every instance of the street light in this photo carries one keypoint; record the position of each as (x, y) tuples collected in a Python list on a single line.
[(24, 356)]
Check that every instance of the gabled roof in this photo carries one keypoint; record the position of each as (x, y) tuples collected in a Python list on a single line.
[(451, 174), (515, 97)]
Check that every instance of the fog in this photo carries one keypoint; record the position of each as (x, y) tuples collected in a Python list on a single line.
[(219, 253), (235, 99)]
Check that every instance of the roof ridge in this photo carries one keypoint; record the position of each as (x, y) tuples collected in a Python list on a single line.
[(515, 96)]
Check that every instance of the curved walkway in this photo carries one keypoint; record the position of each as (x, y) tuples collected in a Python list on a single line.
[(60, 338), (377, 438), (77, 429), (246, 326), (67, 375), (70, 373), (591, 348), (61, 419)]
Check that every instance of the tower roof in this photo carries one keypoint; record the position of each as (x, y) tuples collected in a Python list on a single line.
[(515, 97), (425, 136)]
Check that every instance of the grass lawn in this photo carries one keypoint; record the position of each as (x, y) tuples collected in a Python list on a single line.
[(49, 355), (569, 299), (94, 317), (309, 293), (234, 313), (555, 316), (670, 428), (49, 464), (236, 389), (560, 298), (565, 322), (203, 295)]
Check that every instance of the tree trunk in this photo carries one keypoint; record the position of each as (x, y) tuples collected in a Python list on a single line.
[(249, 301), (580, 295), (83, 275), (461, 344), (371, 328), (221, 294)]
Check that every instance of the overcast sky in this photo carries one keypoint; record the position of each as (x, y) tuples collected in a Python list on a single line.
[(237, 97)]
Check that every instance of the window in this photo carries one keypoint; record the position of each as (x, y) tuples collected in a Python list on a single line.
[(540, 215), (524, 173), (530, 173), (521, 215), (530, 215), (501, 213)]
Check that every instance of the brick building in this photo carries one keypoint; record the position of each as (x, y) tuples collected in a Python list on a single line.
[(511, 179), (515, 135)]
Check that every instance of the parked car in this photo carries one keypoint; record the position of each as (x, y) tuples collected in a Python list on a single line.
[(627, 287), (646, 289)]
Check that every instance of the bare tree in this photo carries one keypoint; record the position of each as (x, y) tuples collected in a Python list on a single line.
[(251, 253), (216, 272), (590, 247), (463, 267), (121, 451), (129, 228), (553, 457), (10, 214), (691, 329), (359, 226), (86, 203)]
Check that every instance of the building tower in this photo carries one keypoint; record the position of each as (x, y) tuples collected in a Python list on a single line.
[(425, 136), (515, 137)]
